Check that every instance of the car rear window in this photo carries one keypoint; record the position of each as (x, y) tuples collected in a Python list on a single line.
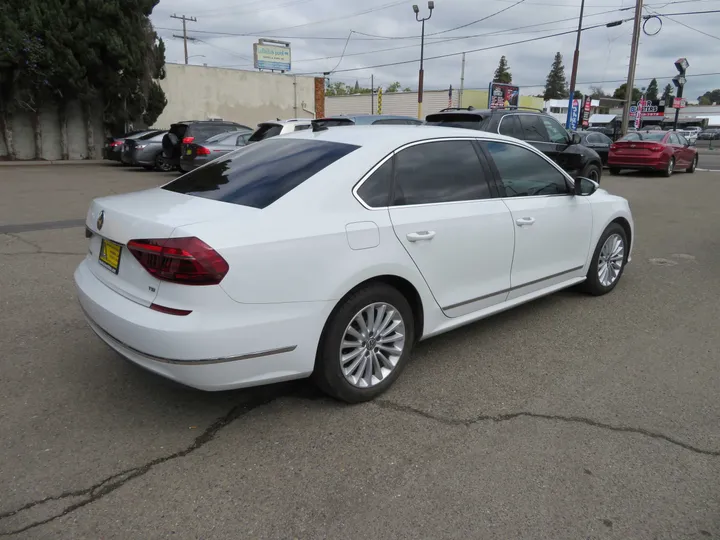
[(467, 121), (260, 174), (150, 135), (265, 131), (202, 132), (658, 136), (333, 122)]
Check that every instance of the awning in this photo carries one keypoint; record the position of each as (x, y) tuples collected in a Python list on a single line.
[(602, 118)]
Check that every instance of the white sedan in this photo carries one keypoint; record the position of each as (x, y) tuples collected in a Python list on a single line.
[(330, 253)]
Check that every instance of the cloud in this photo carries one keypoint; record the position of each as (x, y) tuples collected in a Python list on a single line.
[(604, 52)]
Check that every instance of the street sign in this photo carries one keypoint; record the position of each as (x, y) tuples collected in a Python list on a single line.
[(575, 114), (679, 103)]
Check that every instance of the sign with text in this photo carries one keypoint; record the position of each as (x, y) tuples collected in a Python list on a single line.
[(273, 57), (679, 103), (501, 96), (639, 113), (587, 105), (651, 107), (575, 115)]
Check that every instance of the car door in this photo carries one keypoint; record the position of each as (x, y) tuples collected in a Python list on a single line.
[(600, 143), (678, 150), (535, 133), (552, 226), (687, 150), (444, 214)]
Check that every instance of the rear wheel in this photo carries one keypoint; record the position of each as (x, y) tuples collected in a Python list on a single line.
[(693, 165), (161, 164), (614, 171), (669, 169), (365, 345), (608, 261)]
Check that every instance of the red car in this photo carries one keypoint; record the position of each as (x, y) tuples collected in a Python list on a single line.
[(663, 151)]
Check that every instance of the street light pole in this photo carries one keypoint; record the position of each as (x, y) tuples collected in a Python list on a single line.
[(421, 73), (573, 76)]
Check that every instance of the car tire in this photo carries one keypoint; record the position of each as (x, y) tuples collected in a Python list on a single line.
[(592, 171), (693, 165), (597, 281), (161, 164), (348, 381), (667, 172), (614, 171)]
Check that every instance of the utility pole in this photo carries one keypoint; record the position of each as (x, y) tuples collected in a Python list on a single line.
[(573, 76), (185, 37), (372, 94), (462, 82), (631, 68)]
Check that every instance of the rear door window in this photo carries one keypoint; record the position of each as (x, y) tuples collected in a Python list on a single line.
[(533, 129), (265, 131), (260, 174), (510, 126), (375, 191)]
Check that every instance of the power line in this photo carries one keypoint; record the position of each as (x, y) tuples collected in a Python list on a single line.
[(343, 52), (655, 13), (478, 20), (624, 80)]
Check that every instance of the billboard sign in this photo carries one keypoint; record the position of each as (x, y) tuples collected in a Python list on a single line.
[(501, 96), (575, 115), (271, 56), (651, 107)]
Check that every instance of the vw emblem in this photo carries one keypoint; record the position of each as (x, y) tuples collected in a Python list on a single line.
[(101, 219)]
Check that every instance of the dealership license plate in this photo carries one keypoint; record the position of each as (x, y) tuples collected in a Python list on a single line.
[(110, 255), (188, 152)]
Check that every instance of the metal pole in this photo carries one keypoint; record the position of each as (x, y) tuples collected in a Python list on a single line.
[(185, 41), (573, 76), (462, 82), (421, 73), (631, 67), (372, 94), (184, 20), (677, 111)]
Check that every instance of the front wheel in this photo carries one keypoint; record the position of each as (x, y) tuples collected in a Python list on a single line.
[(365, 345), (693, 165), (608, 261), (592, 172)]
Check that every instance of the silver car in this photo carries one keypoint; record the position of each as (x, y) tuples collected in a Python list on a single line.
[(197, 154), (146, 151)]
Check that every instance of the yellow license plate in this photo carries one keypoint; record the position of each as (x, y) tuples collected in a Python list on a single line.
[(188, 152), (110, 255)]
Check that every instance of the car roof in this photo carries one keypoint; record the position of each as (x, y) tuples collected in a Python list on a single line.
[(393, 136)]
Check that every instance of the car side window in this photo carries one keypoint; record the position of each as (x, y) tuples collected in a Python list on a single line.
[(682, 140), (524, 173), (532, 128), (375, 190), (593, 138), (555, 131), (302, 127), (510, 126), (673, 139), (439, 172)]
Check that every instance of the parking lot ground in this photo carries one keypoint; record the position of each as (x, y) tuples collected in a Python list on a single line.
[(570, 417)]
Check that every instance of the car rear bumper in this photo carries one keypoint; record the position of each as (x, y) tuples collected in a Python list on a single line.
[(620, 162), (234, 346)]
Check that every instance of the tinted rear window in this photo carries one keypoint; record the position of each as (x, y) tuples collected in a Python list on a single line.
[(265, 131), (260, 174), (467, 121), (202, 132)]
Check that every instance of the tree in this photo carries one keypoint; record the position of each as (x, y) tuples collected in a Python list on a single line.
[(407, 89), (502, 75), (356, 89), (652, 90), (597, 92), (710, 97), (620, 93), (578, 94), (394, 87), (556, 84), (668, 92)]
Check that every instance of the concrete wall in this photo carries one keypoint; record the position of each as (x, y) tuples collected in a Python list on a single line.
[(247, 97), (24, 136)]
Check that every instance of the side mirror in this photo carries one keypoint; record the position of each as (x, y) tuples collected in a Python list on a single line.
[(584, 187), (575, 139)]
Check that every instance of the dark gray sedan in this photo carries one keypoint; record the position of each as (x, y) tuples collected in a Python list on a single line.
[(145, 151), (598, 142), (197, 154)]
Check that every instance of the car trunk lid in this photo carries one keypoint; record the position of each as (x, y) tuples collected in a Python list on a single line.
[(636, 148)]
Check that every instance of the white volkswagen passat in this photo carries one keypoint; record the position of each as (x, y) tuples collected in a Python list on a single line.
[(332, 252)]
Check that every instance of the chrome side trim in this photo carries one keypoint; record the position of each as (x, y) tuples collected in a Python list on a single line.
[(511, 289), (105, 336)]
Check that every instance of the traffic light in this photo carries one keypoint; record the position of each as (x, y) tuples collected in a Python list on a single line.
[(681, 64)]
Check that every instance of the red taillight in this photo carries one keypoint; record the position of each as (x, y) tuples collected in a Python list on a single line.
[(188, 261), (202, 151), (115, 143), (169, 310), (188, 140), (656, 148), (613, 147)]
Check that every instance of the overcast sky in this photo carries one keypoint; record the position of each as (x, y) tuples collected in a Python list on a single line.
[(604, 52)]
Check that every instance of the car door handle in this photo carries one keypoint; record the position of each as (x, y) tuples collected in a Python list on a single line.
[(525, 221), (420, 235)]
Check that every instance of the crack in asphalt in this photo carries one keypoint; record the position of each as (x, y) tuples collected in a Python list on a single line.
[(384, 404), (116, 481), (38, 249)]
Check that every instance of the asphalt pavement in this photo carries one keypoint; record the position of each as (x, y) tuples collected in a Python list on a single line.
[(570, 417)]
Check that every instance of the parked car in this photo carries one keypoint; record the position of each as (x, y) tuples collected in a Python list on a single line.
[(198, 154), (596, 141), (331, 253), (147, 151), (266, 130), (663, 151), (367, 119), (130, 143), (535, 127), (709, 134), (193, 131), (112, 149)]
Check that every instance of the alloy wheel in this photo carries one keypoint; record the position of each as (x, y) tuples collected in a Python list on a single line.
[(671, 166), (611, 259), (372, 345)]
